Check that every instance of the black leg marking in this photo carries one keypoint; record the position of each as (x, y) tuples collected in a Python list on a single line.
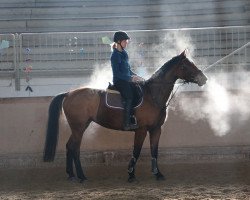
[(155, 170), (78, 167), (131, 170), (140, 135), (154, 141), (69, 164)]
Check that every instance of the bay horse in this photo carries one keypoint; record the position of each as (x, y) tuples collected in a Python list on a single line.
[(84, 105)]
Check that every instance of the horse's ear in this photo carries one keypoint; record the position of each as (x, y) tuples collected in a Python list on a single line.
[(183, 54)]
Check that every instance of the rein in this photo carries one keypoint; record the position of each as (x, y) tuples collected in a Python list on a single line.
[(172, 93)]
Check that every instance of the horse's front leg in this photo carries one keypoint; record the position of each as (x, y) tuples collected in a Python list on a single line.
[(154, 141), (140, 135)]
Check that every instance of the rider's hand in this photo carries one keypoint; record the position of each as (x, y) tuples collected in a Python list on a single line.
[(137, 78)]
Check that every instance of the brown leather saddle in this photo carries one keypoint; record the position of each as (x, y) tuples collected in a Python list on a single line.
[(113, 97)]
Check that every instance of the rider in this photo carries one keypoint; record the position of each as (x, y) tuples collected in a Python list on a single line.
[(123, 77)]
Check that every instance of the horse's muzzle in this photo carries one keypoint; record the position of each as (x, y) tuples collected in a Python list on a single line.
[(201, 79)]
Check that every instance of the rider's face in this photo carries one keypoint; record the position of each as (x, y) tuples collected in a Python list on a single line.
[(124, 43)]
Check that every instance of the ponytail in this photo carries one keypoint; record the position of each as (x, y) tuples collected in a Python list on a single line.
[(113, 46)]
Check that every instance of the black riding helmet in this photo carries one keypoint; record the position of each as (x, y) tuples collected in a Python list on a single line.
[(120, 35)]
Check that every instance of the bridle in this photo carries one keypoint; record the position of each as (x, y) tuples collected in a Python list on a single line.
[(192, 79), (173, 93)]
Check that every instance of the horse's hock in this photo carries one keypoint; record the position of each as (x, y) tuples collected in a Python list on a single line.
[(23, 127)]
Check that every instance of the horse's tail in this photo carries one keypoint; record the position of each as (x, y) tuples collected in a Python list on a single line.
[(53, 127)]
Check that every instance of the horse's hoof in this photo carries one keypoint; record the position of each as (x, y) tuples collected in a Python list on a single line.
[(160, 177), (132, 179), (72, 179), (82, 180)]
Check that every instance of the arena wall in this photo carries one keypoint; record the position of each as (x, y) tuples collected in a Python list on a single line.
[(98, 15), (23, 129)]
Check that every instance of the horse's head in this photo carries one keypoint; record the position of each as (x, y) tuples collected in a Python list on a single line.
[(187, 71)]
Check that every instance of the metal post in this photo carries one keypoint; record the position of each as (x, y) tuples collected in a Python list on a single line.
[(16, 45)]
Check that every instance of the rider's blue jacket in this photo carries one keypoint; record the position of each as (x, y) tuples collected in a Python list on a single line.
[(120, 66)]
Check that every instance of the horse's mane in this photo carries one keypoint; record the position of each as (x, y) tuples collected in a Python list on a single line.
[(163, 69)]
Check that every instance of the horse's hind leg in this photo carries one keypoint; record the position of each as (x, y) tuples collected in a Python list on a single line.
[(140, 135), (69, 162), (73, 151)]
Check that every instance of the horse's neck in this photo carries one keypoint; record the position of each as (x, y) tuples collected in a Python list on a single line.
[(160, 88)]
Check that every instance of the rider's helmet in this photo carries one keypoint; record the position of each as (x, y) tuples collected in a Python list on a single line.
[(120, 35)]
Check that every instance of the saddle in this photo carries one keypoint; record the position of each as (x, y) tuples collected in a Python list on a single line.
[(115, 100)]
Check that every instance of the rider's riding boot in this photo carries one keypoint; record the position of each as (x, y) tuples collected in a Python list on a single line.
[(127, 120)]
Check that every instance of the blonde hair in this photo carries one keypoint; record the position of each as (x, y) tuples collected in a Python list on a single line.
[(114, 45)]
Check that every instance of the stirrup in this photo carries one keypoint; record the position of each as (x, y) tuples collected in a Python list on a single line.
[(133, 120), (130, 127)]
